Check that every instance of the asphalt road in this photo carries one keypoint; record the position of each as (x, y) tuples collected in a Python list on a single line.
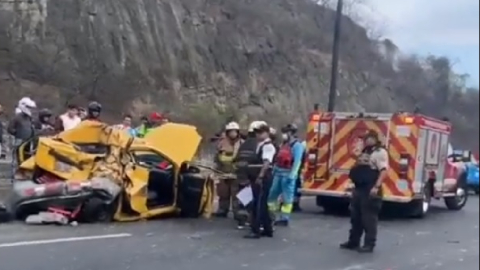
[(443, 241)]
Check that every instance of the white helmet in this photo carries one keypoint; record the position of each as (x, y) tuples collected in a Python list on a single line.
[(232, 126), (25, 105), (256, 124)]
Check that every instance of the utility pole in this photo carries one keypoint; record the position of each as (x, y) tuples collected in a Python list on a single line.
[(335, 55)]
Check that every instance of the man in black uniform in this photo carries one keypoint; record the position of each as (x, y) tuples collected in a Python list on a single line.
[(254, 159), (367, 175)]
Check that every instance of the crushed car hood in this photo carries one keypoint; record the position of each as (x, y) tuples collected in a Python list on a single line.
[(95, 132), (178, 142)]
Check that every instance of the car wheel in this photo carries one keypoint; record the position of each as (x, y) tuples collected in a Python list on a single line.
[(95, 210)]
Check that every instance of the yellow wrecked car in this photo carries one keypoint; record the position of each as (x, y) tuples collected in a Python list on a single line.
[(98, 173)]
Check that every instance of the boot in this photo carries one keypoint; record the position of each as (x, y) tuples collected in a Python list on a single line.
[(221, 214), (268, 234), (296, 207), (241, 224), (349, 246), (252, 235), (282, 223), (366, 249)]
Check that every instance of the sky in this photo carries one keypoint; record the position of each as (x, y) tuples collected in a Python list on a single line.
[(439, 27)]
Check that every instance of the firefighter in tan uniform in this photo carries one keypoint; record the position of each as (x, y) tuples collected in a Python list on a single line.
[(228, 187), (367, 176)]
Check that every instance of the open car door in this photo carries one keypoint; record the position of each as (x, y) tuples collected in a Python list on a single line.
[(179, 143), (24, 152)]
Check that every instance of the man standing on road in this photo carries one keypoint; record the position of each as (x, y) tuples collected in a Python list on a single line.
[(367, 176), (265, 153), (227, 149), (299, 182), (285, 173), (21, 127)]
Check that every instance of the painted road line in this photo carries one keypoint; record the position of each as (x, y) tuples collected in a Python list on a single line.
[(64, 240)]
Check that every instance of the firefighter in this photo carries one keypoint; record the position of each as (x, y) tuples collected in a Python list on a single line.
[(367, 194), (227, 149), (259, 173), (94, 110), (285, 174)]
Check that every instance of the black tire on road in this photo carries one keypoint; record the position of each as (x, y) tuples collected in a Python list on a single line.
[(419, 208), (333, 205), (95, 210), (460, 200)]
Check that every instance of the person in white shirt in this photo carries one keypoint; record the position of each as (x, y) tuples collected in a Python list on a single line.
[(260, 215), (68, 120)]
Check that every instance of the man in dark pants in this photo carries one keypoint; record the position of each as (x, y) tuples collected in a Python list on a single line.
[(261, 181), (367, 176), (298, 183)]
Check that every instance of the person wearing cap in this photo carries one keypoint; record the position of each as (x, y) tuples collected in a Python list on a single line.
[(154, 120), (286, 170), (227, 189), (260, 182), (366, 199)]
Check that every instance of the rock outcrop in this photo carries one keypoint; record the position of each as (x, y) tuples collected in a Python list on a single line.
[(199, 59)]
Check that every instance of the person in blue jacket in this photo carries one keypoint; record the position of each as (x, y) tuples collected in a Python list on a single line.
[(285, 173)]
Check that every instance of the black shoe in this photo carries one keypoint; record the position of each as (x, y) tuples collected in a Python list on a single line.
[(366, 249), (221, 214), (252, 235), (241, 225), (296, 208), (349, 246), (282, 223), (268, 234)]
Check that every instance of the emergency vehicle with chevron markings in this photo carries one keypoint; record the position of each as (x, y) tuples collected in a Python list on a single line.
[(419, 167)]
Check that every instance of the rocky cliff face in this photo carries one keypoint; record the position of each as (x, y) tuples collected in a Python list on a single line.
[(199, 59)]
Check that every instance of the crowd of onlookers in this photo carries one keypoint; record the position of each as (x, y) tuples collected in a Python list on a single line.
[(29, 121)]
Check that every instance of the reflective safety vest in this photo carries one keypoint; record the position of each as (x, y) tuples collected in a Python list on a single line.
[(142, 131), (226, 156)]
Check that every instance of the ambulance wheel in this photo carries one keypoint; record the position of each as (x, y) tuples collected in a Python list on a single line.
[(333, 205), (460, 199), (421, 207)]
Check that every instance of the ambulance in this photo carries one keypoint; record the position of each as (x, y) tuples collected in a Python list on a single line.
[(420, 166)]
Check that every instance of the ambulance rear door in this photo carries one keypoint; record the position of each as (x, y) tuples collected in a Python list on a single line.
[(348, 130)]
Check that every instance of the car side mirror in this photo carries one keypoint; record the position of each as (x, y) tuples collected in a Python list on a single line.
[(466, 156)]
